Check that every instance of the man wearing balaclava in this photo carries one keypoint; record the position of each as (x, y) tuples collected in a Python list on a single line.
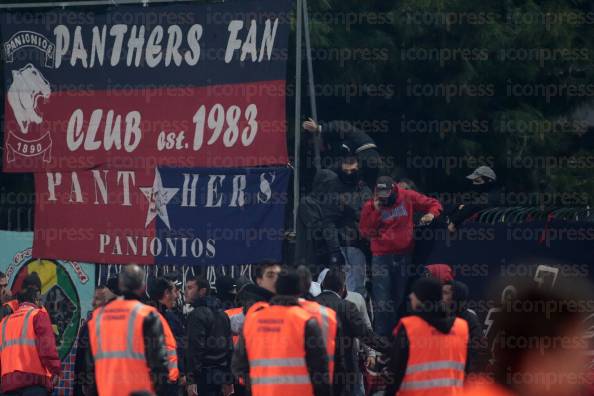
[(485, 193)]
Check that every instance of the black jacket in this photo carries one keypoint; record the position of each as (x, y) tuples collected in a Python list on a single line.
[(342, 135), (316, 356), (351, 325), (482, 197), (251, 294), (209, 341), (318, 221), (155, 351), (178, 329), (398, 356)]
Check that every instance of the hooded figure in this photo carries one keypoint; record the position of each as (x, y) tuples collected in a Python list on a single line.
[(318, 218), (426, 300)]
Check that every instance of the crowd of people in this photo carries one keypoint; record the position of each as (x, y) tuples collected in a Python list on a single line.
[(313, 327)]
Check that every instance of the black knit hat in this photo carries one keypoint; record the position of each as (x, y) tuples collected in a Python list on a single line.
[(427, 290), (288, 283)]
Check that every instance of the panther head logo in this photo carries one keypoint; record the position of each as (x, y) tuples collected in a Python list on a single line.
[(28, 85)]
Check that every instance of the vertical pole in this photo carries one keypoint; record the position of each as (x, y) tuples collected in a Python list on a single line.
[(297, 172), (312, 88)]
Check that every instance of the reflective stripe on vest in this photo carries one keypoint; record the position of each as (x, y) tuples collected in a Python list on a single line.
[(171, 364), (429, 384), (129, 352), (443, 364), (22, 340), (282, 380), (286, 362)]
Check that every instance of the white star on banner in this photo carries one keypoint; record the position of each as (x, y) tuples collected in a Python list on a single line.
[(158, 197)]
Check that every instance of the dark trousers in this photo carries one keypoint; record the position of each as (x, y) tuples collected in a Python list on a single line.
[(29, 391)]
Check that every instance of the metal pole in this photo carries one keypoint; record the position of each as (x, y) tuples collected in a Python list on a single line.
[(312, 88), (297, 173), (86, 3)]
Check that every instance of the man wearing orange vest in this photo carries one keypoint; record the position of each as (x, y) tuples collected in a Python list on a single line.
[(430, 348), (127, 345), (29, 361), (281, 350)]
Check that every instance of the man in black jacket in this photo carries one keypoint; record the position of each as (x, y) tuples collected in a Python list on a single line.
[(132, 287), (485, 193), (426, 300), (455, 296), (209, 342), (316, 357), (351, 325), (341, 136), (164, 295)]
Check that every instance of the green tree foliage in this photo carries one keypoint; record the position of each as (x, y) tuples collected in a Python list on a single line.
[(447, 85)]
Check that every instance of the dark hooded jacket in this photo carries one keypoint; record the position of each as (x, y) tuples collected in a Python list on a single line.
[(482, 197), (209, 342), (398, 356), (318, 219), (478, 357)]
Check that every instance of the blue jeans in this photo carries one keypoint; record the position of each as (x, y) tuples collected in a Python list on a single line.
[(355, 269), (390, 274)]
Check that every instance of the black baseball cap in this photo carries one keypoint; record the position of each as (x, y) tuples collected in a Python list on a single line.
[(384, 186)]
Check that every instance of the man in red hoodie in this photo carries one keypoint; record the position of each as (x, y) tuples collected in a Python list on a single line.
[(387, 220)]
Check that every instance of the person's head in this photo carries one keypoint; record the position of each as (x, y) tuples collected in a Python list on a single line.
[(30, 290), (541, 347), (196, 287), (348, 172), (5, 293), (447, 292), (304, 279), (112, 289), (225, 285), (335, 280), (426, 294), (288, 283), (482, 175), (98, 296), (164, 291), (266, 274), (385, 191), (131, 280)]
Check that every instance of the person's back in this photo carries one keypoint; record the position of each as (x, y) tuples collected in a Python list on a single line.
[(127, 346), (430, 348), (213, 328), (118, 349), (28, 359)]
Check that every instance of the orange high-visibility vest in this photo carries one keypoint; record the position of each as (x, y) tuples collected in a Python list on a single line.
[(18, 348), (12, 304), (485, 387), (231, 313), (171, 346), (326, 318), (436, 361), (256, 306), (275, 345), (117, 345)]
